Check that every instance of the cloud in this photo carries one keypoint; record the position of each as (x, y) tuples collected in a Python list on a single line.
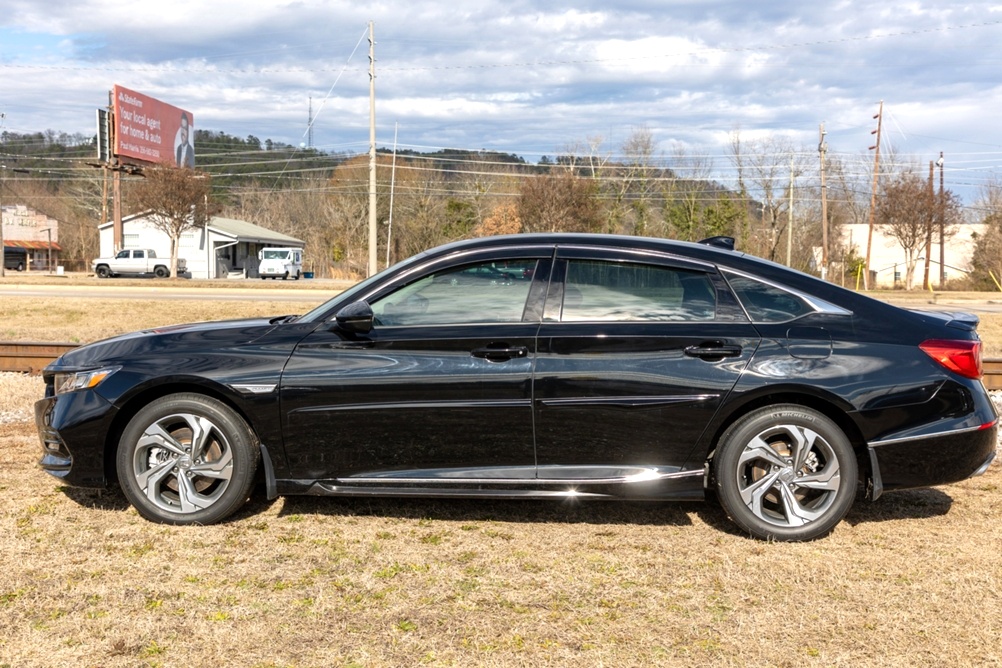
[(522, 77)]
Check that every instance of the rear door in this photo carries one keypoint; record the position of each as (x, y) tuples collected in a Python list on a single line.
[(635, 355)]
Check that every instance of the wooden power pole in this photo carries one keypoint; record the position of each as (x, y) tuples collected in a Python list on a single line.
[(873, 193), (373, 227), (822, 149)]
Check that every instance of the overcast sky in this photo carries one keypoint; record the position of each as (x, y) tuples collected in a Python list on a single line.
[(529, 78)]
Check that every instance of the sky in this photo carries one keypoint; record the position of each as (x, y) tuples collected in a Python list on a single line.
[(530, 78)]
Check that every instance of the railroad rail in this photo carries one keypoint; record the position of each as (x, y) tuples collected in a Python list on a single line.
[(28, 357)]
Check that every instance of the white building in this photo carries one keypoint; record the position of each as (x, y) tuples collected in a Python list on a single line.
[(224, 248), (887, 258)]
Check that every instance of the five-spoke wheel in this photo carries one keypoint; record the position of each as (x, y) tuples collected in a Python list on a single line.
[(785, 473), (187, 459)]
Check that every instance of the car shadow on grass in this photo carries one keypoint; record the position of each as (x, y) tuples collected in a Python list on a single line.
[(903, 505), (515, 511)]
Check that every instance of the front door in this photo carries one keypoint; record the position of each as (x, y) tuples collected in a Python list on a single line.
[(440, 389)]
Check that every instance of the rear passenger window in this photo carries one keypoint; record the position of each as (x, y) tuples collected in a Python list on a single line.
[(767, 303), (613, 291)]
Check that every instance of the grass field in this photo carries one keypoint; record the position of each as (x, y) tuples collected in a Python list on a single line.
[(914, 579)]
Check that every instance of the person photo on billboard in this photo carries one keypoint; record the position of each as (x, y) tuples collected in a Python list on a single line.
[(184, 152)]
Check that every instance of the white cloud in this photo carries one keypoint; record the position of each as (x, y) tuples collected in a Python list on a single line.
[(518, 76)]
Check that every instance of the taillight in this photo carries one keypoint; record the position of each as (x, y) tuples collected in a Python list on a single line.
[(963, 357)]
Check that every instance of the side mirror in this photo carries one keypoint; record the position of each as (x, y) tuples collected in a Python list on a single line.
[(260, 254), (355, 318)]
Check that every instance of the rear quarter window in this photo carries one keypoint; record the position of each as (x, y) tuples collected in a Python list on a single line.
[(767, 303)]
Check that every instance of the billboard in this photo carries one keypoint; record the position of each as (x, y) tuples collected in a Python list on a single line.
[(152, 131)]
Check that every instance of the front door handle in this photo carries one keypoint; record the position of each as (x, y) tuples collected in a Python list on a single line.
[(500, 353), (712, 351)]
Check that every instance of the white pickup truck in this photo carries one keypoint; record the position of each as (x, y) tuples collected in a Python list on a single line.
[(135, 262)]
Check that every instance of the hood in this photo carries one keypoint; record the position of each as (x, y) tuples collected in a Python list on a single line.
[(201, 335)]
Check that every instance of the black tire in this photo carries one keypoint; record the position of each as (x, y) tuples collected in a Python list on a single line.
[(285, 276), (297, 274), (169, 478), (20, 266), (102, 271), (785, 473), (161, 271)]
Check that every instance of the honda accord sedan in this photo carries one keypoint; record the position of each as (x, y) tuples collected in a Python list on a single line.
[(601, 367)]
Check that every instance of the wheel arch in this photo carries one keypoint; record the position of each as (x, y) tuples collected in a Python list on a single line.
[(136, 402), (832, 407)]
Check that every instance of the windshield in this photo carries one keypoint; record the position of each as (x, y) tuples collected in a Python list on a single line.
[(276, 255), (352, 293)]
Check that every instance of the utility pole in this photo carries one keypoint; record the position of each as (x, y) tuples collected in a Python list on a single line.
[(942, 224), (789, 221), (3, 260), (373, 227), (393, 180), (873, 192), (928, 234), (309, 125), (3, 177), (822, 149)]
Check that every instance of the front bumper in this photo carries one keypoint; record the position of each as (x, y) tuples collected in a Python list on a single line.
[(72, 428)]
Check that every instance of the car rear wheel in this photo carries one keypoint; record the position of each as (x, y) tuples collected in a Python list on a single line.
[(785, 473), (187, 459), (161, 272)]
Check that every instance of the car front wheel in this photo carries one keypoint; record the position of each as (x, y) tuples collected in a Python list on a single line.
[(187, 459), (785, 473)]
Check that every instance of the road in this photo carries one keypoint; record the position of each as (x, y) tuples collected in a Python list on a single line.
[(314, 296)]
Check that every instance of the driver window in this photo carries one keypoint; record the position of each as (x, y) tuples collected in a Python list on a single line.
[(493, 291)]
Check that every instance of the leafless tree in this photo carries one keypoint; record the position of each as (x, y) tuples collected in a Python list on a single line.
[(903, 211), (175, 199), (559, 203)]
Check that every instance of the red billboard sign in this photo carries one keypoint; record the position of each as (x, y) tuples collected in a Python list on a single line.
[(149, 130)]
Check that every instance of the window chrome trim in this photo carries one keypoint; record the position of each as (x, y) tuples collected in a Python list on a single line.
[(922, 437)]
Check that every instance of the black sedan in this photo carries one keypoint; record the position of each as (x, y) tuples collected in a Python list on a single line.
[(602, 367)]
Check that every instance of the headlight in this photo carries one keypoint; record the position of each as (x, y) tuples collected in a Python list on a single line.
[(80, 380)]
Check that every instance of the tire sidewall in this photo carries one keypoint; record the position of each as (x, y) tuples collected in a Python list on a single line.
[(738, 435), (245, 453)]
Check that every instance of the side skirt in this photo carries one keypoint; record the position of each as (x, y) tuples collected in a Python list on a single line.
[(678, 487)]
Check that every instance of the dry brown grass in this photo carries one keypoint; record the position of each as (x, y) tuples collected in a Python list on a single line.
[(79, 320), (911, 580)]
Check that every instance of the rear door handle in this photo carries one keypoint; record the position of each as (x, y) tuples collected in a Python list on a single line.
[(713, 350), (500, 353)]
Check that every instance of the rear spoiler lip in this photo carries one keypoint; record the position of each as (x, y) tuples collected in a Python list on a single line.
[(962, 320)]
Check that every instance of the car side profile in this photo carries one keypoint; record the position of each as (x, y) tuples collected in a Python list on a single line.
[(599, 367)]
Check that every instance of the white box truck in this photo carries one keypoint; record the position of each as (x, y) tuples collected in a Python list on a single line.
[(280, 263)]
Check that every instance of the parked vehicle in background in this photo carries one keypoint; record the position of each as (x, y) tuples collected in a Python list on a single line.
[(15, 258), (135, 262), (280, 263), (600, 367)]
